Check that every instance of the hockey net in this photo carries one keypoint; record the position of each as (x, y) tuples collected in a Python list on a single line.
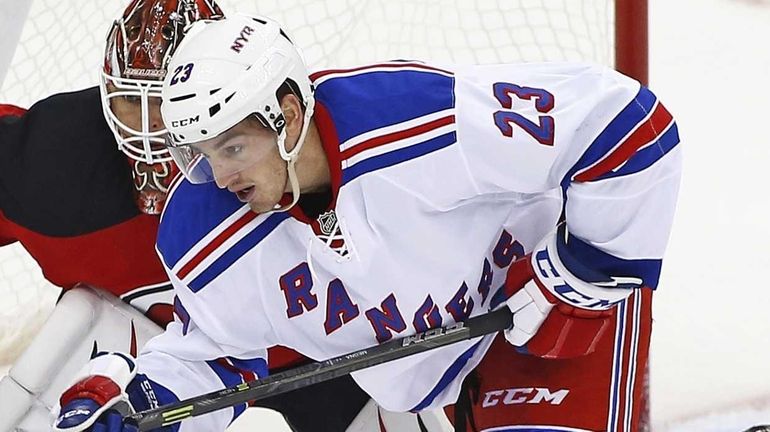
[(60, 46)]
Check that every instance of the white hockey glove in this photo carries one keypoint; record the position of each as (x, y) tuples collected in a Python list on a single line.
[(555, 313), (97, 401)]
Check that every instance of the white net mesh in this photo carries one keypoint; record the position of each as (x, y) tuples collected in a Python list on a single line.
[(25, 300), (61, 46)]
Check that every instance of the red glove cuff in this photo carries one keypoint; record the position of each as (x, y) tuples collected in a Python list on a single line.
[(567, 331), (563, 336)]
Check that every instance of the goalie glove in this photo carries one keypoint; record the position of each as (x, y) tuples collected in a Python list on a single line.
[(557, 314), (97, 401)]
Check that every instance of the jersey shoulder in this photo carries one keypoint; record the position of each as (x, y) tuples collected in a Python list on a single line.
[(62, 172), (377, 96), (545, 120), (191, 213), (386, 114), (204, 230), (528, 97)]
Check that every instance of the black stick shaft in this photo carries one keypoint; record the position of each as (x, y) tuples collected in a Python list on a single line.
[(322, 371)]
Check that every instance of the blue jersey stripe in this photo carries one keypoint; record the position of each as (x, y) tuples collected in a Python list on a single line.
[(584, 260), (617, 362), (647, 156), (397, 156), (182, 314), (371, 100), (229, 378), (449, 376), (192, 212), (498, 297), (616, 130), (237, 250), (257, 365)]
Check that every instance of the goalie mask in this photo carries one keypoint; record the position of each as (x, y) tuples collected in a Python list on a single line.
[(139, 46), (222, 73)]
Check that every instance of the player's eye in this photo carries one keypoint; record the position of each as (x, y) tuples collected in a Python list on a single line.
[(232, 150), (131, 99)]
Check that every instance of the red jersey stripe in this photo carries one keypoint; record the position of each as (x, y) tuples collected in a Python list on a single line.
[(395, 136), (647, 132), (218, 240)]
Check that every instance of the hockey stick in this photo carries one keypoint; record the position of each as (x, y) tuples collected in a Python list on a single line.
[(313, 373)]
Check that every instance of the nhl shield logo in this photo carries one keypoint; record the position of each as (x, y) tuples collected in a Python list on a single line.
[(327, 221)]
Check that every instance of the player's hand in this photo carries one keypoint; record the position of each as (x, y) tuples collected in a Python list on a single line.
[(97, 400), (109, 421), (555, 313)]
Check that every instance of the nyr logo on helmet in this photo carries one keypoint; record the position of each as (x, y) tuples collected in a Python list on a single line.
[(241, 40)]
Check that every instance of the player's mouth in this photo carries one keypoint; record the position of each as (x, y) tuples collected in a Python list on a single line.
[(245, 195)]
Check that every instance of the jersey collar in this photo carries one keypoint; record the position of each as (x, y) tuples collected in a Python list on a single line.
[(331, 145)]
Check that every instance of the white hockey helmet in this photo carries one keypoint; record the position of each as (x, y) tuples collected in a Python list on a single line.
[(223, 72)]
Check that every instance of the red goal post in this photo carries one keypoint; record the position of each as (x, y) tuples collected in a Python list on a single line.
[(60, 45), (632, 39)]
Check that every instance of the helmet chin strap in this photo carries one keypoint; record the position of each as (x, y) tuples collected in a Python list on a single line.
[(295, 192), (291, 157)]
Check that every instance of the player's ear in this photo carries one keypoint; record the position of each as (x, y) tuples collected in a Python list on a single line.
[(292, 113)]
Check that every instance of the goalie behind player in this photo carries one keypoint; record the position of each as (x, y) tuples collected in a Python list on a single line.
[(88, 212)]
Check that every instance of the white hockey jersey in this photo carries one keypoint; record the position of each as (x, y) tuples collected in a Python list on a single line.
[(442, 176)]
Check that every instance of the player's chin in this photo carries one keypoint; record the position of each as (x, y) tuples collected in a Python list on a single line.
[(261, 206)]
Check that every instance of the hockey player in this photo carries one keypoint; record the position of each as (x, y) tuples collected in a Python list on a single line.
[(88, 210), (337, 212)]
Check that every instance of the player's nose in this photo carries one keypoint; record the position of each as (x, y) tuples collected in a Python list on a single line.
[(223, 179), (156, 121), (156, 124)]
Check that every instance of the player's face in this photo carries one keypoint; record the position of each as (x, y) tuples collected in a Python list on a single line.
[(246, 161), (128, 109)]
